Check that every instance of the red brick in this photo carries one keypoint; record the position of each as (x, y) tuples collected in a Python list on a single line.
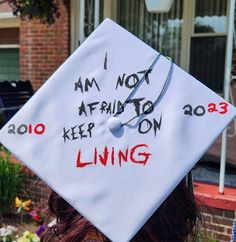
[(207, 218), (9, 36), (212, 211), (44, 48), (215, 227), (223, 221), (223, 237), (229, 231)]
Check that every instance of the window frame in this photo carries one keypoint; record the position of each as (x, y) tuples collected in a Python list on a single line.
[(188, 31), (8, 20), (77, 14), (11, 46)]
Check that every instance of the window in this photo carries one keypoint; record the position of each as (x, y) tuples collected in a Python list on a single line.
[(9, 63), (9, 47), (208, 42)]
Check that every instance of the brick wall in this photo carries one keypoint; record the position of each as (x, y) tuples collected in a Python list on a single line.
[(35, 189), (44, 48), (9, 36), (218, 223)]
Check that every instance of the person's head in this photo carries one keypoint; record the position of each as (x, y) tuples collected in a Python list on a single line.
[(174, 220)]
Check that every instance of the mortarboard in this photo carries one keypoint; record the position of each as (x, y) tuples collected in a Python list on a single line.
[(115, 129)]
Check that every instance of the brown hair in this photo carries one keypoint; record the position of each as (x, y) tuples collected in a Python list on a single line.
[(174, 220)]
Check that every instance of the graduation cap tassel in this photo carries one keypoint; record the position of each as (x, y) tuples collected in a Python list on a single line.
[(168, 78), (148, 71)]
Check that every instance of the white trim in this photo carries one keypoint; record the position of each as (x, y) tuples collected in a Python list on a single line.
[(96, 13), (208, 34), (109, 9), (192, 18), (74, 25), (7, 15), (9, 46), (81, 20), (9, 23), (185, 42)]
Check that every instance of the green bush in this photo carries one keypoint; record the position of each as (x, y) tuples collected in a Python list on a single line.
[(206, 236), (11, 179)]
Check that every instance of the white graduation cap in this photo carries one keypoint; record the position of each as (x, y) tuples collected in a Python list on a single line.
[(69, 132)]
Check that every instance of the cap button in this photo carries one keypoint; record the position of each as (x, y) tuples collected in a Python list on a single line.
[(113, 124)]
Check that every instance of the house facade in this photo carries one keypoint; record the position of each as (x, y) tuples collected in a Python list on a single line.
[(193, 33)]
